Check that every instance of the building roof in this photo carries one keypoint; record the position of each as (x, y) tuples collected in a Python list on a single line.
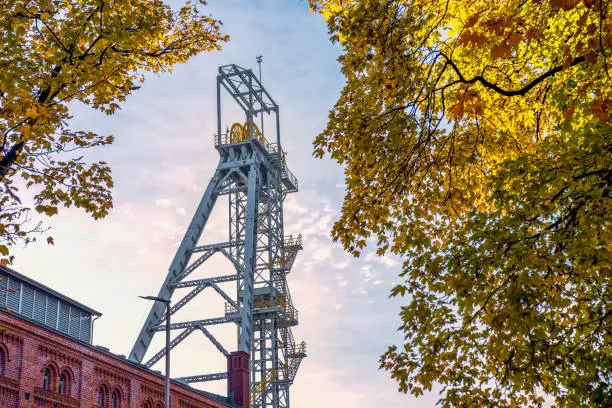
[(103, 350), (100, 349), (44, 288)]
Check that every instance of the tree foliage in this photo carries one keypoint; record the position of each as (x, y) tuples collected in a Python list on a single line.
[(57, 52), (477, 145)]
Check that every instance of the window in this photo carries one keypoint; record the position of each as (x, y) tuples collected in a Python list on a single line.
[(116, 399), (49, 379), (103, 396), (64, 383), (148, 404), (2, 361)]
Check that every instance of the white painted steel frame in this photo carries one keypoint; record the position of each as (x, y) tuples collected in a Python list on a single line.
[(255, 178)]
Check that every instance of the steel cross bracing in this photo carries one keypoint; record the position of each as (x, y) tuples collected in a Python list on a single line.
[(253, 174)]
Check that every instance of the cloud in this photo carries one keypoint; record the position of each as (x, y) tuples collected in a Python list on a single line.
[(163, 202), (388, 261), (321, 254), (339, 265)]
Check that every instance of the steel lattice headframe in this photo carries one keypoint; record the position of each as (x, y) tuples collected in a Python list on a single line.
[(253, 173)]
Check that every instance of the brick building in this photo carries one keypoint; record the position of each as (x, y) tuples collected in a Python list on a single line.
[(47, 359)]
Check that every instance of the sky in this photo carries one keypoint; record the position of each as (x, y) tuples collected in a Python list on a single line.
[(162, 160)]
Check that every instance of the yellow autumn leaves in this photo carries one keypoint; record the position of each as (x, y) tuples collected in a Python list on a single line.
[(477, 146), (57, 52)]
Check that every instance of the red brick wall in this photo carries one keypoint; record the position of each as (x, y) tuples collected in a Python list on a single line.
[(238, 377), (28, 349)]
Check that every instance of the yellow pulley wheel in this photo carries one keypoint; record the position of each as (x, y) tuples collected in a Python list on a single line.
[(256, 132), (237, 133)]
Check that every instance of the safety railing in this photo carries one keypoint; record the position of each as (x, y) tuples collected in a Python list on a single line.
[(290, 244), (280, 263), (283, 370), (298, 351), (230, 309), (291, 241), (273, 148), (295, 358), (240, 133), (288, 308), (286, 174), (221, 140)]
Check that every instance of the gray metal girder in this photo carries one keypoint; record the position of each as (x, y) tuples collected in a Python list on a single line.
[(177, 267)]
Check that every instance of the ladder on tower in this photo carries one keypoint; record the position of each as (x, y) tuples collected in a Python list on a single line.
[(291, 246), (279, 158), (296, 355), (258, 390)]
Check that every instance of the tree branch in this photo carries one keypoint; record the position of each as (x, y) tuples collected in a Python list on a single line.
[(518, 92), (9, 159)]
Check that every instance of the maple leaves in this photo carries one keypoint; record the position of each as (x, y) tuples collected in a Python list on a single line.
[(601, 108), (570, 4), (57, 52), (479, 32), (477, 146)]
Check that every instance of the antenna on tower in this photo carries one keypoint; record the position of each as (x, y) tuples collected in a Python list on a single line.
[(259, 59)]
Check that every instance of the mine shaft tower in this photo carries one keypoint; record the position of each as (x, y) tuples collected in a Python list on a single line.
[(253, 173)]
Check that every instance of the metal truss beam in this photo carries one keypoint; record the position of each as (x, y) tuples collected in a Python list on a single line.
[(177, 267), (232, 260), (241, 163), (246, 327), (173, 344), (195, 264), (207, 281), (205, 322), (210, 247), (254, 89), (199, 288), (225, 296), (178, 305), (214, 341), (182, 336), (203, 378)]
